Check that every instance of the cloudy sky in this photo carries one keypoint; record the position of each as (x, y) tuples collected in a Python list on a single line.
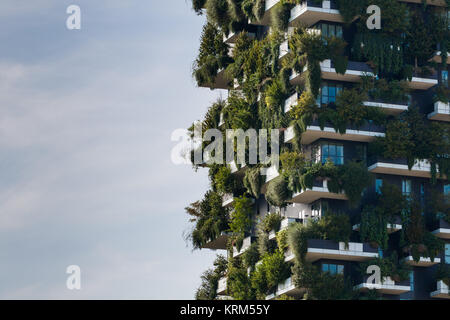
[(86, 176)]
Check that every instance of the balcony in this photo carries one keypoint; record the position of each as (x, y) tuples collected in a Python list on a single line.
[(222, 286), (353, 73), (365, 133), (232, 36), (441, 292), (271, 173), (423, 262), (265, 21), (284, 49), (319, 191), (438, 59), (388, 108), (220, 243), (237, 168), (387, 286), (421, 169), (443, 230), (440, 3), (441, 112), (308, 13), (245, 245), (288, 288), (391, 228), (327, 249), (290, 102), (221, 82), (285, 223), (227, 200), (420, 82)]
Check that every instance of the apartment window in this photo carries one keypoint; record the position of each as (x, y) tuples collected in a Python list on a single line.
[(333, 268), (330, 30), (446, 189), (406, 188), (378, 185), (422, 198), (447, 253), (329, 91), (411, 280), (333, 153), (444, 77)]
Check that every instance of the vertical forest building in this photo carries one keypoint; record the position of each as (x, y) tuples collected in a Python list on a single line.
[(363, 117)]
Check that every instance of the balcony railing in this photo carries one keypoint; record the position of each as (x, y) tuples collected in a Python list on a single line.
[(222, 286), (441, 112), (227, 200), (422, 82), (220, 243), (290, 102), (387, 286), (285, 223), (245, 245), (309, 12), (288, 288), (327, 249), (353, 73), (365, 133), (319, 191), (389, 108), (423, 262), (440, 3), (442, 229), (421, 169), (441, 292)]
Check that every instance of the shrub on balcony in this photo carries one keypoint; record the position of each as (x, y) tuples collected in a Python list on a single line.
[(322, 285), (373, 228), (251, 256), (335, 227), (238, 283), (224, 181), (277, 192), (253, 181), (443, 273), (209, 218), (241, 216), (269, 273), (390, 266), (416, 240), (213, 55), (210, 279), (271, 222)]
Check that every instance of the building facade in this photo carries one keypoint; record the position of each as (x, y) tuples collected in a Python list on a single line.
[(363, 115)]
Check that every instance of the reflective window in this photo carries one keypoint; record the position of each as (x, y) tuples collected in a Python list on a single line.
[(333, 153), (329, 91), (378, 185), (333, 268)]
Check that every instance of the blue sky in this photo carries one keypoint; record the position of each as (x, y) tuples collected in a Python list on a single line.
[(86, 176)]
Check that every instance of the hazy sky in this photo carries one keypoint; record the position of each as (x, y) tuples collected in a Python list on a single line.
[(85, 170)]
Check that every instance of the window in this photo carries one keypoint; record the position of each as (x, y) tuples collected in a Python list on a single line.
[(328, 93), (422, 198), (330, 30), (332, 152), (446, 189), (447, 253), (406, 188), (378, 185), (333, 268), (411, 280), (444, 77)]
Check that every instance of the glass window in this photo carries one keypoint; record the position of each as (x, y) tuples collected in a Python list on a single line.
[(447, 253), (378, 185), (447, 189), (333, 152), (406, 188), (444, 77), (333, 268), (329, 92), (411, 280)]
